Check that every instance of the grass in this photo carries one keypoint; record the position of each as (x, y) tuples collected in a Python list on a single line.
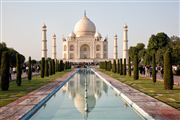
[(27, 86), (145, 85)]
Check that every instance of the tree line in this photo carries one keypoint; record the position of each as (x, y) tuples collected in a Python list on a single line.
[(11, 58), (159, 52)]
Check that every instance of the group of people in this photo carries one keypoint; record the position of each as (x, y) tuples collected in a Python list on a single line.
[(147, 70), (25, 68)]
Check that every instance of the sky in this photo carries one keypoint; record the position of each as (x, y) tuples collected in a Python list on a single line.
[(21, 21)]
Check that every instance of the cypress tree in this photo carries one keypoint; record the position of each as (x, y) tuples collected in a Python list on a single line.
[(105, 67), (18, 70), (5, 71), (61, 66), (53, 66), (136, 71), (129, 67), (57, 62), (154, 68), (50, 67), (30, 69), (168, 74), (42, 67), (121, 67), (46, 71), (124, 67), (118, 66), (114, 66)]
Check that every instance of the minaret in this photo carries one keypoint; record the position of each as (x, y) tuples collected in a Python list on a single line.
[(44, 42), (115, 47), (54, 46), (125, 43)]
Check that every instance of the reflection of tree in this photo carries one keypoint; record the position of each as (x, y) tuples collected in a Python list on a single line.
[(76, 90)]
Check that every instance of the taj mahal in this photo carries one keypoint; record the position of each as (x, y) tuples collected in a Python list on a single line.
[(84, 44)]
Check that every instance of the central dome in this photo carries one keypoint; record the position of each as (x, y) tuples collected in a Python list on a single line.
[(84, 27)]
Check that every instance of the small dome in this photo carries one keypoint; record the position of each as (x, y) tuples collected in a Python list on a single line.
[(125, 26), (44, 26), (72, 35), (84, 27), (63, 39), (97, 35), (54, 35)]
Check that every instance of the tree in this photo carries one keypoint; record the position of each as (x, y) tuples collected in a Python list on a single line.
[(175, 45), (124, 67), (57, 62), (154, 68), (105, 65), (5, 71), (50, 67), (129, 67), (61, 65), (121, 67), (30, 69), (136, 71), (168, 74), (18, 69), (114, 66), (118, 66), (53, 66), (46, 72), (42, 67), (158, 44)]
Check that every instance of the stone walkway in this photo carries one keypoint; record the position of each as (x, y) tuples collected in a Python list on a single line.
[(158, 110), (21, 106)]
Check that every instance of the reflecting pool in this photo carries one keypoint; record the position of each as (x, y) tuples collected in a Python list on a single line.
[(86, 97)]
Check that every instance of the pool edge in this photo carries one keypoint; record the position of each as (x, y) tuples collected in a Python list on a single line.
[(32, 111), (144, 114)]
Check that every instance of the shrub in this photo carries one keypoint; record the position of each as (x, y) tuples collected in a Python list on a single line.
[(30, 69), (124, 67), (42, 67), (118, 66), (46, 72), (18, 70), (136, 71), (168, 74), (5, 71), (61, 66), (121, 67), (114, 66), (129, 67), (154, 68)]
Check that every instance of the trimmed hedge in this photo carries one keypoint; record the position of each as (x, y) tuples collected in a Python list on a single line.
[(5, 71), (18, 70), (29, 69), (136, 70), (42, 67), (168, 74)]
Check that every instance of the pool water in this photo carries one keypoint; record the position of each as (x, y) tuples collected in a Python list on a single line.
[(86, 97)]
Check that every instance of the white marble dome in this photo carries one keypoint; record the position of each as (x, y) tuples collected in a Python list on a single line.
[(84, 27)]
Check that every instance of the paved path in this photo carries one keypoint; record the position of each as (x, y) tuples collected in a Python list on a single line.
[(24, 75), (21, 106), (158, 110), (158, 76)]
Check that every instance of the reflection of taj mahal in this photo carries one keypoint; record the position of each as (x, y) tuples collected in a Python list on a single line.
[(76, 90), (85, 43)]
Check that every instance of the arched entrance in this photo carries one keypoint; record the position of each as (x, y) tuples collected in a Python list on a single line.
[(84, 51)]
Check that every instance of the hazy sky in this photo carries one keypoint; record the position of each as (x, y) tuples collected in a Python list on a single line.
[(22, 20)]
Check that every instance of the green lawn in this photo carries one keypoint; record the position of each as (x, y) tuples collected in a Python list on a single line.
[(171, 97), (27, 86)]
